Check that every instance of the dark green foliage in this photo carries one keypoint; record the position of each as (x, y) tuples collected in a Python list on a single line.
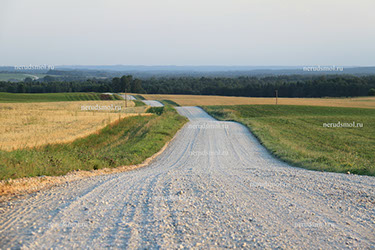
[(287, 86), (116, 85), (155, 110), (28, 80), (136, 86), (126, 82)]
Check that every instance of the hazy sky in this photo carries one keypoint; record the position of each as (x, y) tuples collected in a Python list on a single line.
[(187, 32)]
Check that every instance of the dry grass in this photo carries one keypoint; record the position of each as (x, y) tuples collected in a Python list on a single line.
[(28, 125), (162, 131), (21, 186), (197, 100)]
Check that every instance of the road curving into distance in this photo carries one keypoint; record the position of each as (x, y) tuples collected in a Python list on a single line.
[(128, 97), (153, 103), (214, 186)]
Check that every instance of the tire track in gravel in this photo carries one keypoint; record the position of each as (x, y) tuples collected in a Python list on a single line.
[(214, 186)]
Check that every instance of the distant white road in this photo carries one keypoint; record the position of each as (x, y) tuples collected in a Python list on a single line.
[(214, 186), (153, 103), (128, 97)]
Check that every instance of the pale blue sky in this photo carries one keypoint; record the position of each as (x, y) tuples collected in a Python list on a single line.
[(187, 32)]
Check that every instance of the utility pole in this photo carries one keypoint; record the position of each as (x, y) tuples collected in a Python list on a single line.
[(277, 95), (126, 99)]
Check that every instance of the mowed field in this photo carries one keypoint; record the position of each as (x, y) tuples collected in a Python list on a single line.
[(33, 124), (297, 135), (201, 100)]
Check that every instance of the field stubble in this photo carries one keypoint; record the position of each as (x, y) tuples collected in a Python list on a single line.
[(26, 125), (202, 100)]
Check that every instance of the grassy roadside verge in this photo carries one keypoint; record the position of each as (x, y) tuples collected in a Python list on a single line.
[(54, 97), (127, 142), (139, 103), (138, 100), (139, 97), (169, 102), (296, 134)]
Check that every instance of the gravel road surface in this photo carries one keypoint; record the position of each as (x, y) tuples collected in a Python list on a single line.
[(214, 186), (128, 97), (153, 103)]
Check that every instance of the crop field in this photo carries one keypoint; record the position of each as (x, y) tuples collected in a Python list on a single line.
[(298, 134), (125, 142), (201, 100), (34, 124)]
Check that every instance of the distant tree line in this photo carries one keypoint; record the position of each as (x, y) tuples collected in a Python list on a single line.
[(287, 86), (128, 84), (117, 84)]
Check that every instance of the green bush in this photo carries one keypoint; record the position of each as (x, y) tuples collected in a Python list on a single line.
[(156, 110)]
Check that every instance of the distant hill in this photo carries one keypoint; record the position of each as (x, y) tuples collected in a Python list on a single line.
[(109, 71)]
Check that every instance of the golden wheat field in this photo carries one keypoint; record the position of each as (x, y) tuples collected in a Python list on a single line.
[(200, 100), (33, 124)]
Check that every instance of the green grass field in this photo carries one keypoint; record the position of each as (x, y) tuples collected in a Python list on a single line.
[(139, 97), (130, 141), (169, 102), (296, 134), (139, 103), (52, 97)]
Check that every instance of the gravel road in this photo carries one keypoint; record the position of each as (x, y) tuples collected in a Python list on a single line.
[(153, 103), (128, 97), (214, 186)]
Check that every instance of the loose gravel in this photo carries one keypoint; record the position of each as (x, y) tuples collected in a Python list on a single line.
[(214, 186)]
